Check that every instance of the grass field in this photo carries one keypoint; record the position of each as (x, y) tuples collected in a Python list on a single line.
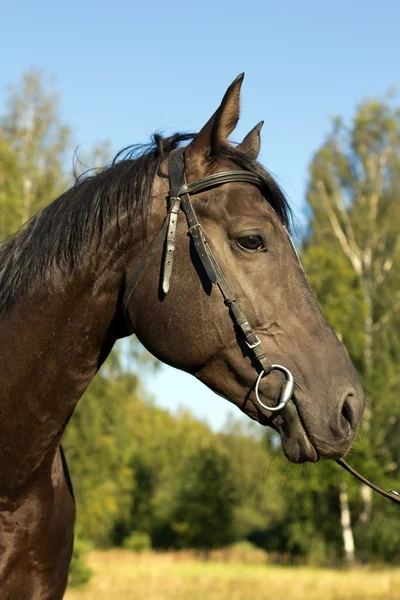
[(121, 575)]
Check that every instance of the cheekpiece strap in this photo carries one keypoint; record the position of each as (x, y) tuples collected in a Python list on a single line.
[(175, 204), (176, 171), (179, 192), (179, 197), (199, 239)]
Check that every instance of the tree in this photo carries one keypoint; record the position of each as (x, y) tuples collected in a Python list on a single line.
[(204, 510), (36, 151), (99, 445), (10, 177), (354, 245), (34, 145), (162, 445), (259, 503), (353, 191)]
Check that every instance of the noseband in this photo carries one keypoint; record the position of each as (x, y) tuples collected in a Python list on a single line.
[(179, 198)]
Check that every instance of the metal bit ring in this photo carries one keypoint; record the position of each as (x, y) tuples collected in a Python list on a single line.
[(286, 391)]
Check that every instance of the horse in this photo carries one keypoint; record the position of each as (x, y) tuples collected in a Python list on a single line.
[(220, 294)]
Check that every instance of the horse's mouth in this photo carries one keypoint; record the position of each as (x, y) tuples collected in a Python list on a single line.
[(296, 443)]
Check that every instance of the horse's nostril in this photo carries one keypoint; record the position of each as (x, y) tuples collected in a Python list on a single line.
[(348, 412)]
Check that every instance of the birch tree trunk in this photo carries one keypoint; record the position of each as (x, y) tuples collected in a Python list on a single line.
[(345, 518)]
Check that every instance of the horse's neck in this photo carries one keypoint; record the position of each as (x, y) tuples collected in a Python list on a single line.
[(52, 344)]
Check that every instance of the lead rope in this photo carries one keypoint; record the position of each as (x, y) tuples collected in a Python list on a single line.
[(391, 494)]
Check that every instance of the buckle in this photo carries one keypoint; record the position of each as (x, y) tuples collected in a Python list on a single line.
[(252, 346), (174, 204)]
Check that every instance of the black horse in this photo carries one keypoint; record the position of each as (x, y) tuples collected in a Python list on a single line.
[(62, 282)]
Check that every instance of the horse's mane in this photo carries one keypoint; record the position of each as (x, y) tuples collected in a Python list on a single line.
[(57, 237)]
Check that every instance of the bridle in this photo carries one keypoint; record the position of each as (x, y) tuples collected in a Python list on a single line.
[(179, 198)]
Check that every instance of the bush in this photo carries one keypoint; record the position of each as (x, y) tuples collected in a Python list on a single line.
[(242, 552), (79, 571), (138, 541)]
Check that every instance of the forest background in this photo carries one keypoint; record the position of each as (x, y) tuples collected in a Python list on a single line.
[(146, 478)]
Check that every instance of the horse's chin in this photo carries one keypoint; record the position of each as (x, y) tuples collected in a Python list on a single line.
[(296, 443)]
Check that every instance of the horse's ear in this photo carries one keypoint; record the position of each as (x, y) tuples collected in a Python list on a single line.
[(251, 143), (215, 132)]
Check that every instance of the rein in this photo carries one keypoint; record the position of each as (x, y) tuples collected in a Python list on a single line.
[(179, 198), (390, 494)]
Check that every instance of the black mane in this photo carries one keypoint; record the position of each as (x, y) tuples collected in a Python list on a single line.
[(54, 239)]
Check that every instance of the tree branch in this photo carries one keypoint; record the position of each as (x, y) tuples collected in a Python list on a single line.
[(386, 265), (352, 254)]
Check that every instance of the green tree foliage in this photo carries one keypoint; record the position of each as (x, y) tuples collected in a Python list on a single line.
[(162, 444), (339, 294), (138, 541), (309, 525), (165, 450), (34, 145), (98, 444), (352, 256), (255, 470), (204, 510), (79, 571), (10, 188), (36, 151)]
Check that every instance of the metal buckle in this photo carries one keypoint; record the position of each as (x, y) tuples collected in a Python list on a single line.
[(174, 203), (194, 227), (251, 346)]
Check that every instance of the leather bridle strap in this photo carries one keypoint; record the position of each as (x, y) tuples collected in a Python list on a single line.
[(179, 192), (179, 198), (216, 275), (391, 494)]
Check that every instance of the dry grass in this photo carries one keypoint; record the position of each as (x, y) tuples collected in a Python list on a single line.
[(121, 575)]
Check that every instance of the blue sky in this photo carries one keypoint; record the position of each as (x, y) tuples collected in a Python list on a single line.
[(126, 69)]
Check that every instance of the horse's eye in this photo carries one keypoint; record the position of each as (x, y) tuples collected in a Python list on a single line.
[(251, 242)]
